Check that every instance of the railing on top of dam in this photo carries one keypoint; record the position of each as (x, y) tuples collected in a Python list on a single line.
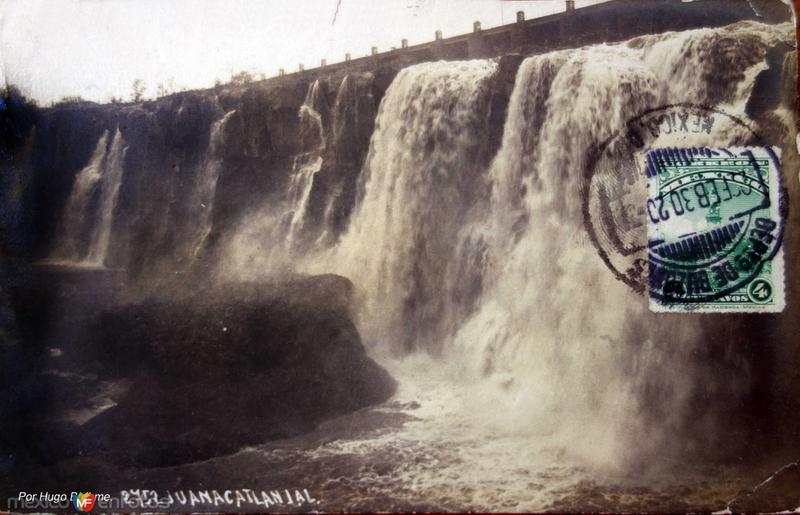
[(613, 20), (438, 38)]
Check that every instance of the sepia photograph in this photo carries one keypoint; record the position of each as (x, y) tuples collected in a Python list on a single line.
[(399, 256)]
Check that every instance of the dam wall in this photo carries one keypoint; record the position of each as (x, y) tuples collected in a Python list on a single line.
[(612, 21)]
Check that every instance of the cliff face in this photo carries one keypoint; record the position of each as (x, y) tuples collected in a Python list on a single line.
[(169, 148), (194, 164)]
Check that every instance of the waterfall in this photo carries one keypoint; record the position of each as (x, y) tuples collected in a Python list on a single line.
[(312, 112), (343, 125), (75, 218), (282, 224), (352, 116), (304, 169), (206, 186), (573, 349), (485, 263), (553, 328), (308, 164), (85, 228), (494, 267), (421, 177), (112, 178)]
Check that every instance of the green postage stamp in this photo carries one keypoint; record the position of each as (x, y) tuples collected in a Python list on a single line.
[(714, 230)]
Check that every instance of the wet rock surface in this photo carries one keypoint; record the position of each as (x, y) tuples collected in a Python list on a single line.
[(182, 374)]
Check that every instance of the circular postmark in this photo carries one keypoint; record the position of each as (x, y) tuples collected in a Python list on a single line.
[(683, 202)]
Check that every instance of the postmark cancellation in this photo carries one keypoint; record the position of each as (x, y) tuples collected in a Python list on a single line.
[(714, 229)]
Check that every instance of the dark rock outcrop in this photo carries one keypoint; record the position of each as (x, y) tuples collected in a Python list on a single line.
[(206, 371)]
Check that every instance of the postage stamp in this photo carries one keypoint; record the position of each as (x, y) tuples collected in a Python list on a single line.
[(684, 204), (713, 230)]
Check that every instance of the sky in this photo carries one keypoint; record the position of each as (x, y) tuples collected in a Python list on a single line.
[(95, 49)]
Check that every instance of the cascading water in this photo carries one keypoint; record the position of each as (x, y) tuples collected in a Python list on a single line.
[(206, 187), (76, 217), (308, 164), (420, 181), (481, 290), (351, 117), (312, 114), (558, 348), (283, 225), (554, 329), (304, 169), (112, 178), (85, 229)]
